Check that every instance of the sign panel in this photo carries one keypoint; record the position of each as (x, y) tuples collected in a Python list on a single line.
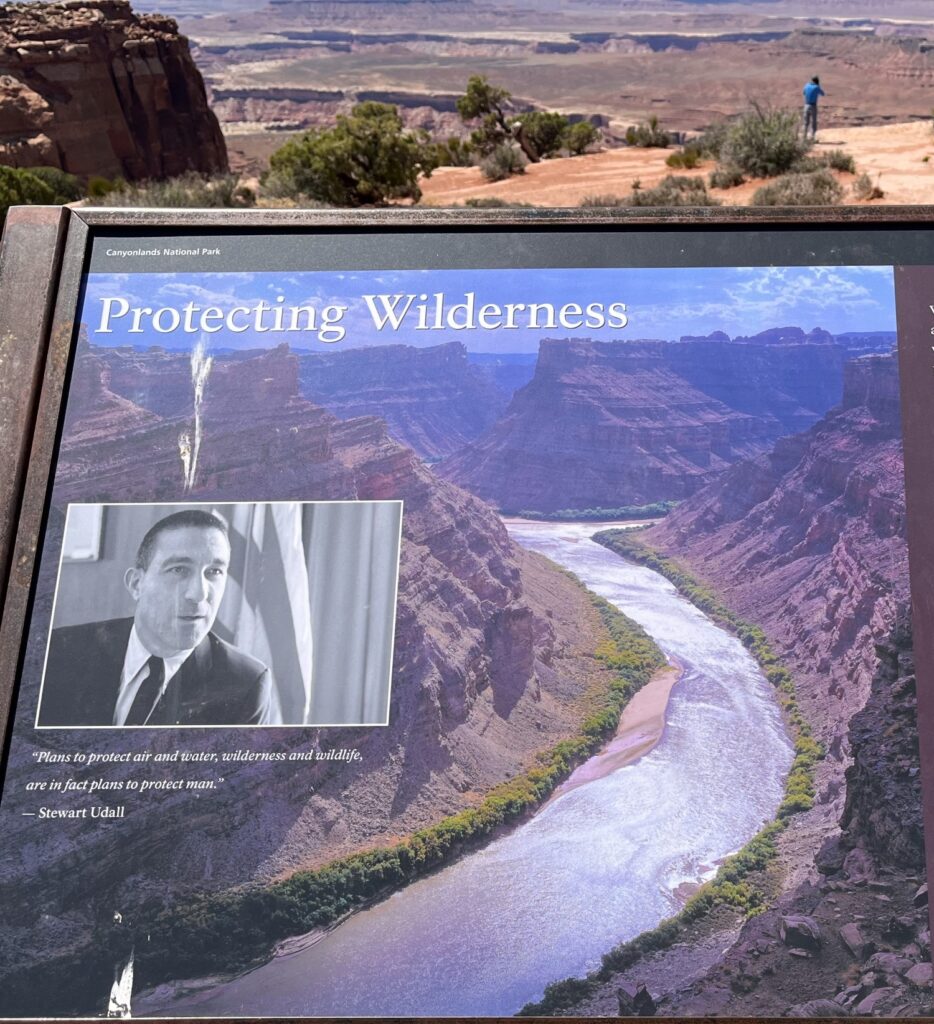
[(467, 619)]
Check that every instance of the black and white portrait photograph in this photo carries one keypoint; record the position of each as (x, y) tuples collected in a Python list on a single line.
[(223, 614)]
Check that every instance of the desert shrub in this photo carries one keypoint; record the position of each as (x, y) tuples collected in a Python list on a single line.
[(763, 143), (725, 177), (187, 190), (99, 186), (604, 200), (674, 190), (544, 130), (501, 162), (578, 137), (710, 141), (454, 152), (648, 135), (808, 164), (840, 160), (865, 189), (19, 187), (817, 188), (495, 203), (687, 158), (365, 159), (65, 186)]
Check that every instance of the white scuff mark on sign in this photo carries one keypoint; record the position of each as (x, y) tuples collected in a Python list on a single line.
[(121, 993), (189, 442)]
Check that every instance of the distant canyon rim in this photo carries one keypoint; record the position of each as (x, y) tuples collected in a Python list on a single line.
[(298, 64)]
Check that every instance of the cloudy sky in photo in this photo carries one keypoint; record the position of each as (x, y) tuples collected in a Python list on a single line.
[(663, 303)]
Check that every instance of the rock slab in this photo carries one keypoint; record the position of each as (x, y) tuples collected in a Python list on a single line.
[(92, 88)]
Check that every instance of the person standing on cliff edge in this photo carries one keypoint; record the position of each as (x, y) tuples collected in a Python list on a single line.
[(812, 91)]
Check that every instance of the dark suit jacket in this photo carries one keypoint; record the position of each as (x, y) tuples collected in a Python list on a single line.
[(216, 685)]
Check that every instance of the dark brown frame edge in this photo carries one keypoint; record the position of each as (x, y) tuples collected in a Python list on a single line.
[(29, 260), (42, 257), (45, 265)]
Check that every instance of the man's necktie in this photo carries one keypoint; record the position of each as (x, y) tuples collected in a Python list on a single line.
[(148, 691)]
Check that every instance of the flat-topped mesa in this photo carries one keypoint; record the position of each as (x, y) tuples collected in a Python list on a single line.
[(557, 354), (771, 336), (604, 424), (92, 88), (432, 399), (787, 336), (713, 336), (786, 386)]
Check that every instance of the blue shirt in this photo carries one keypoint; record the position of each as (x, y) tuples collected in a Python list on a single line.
[(811, 91)]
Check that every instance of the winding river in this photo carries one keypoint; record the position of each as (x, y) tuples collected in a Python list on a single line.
[(597, 865)]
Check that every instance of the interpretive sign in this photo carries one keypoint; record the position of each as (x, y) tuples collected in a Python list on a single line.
[(412, 615)]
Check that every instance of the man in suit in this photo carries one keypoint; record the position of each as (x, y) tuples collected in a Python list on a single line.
[(163, 666)]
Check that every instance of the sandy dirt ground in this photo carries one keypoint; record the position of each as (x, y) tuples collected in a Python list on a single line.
[(899, 156)]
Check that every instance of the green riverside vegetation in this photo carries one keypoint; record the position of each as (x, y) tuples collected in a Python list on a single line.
[(733, 886), (182, 940), (654, 511)]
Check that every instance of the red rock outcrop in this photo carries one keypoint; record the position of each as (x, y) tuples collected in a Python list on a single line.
[(92, 88), (432, 399), (629, 423)]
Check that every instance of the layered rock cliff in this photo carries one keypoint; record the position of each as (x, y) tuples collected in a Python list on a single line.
[(94, 89), (432, 399), (483, 678), (809, 543), (612, 424)]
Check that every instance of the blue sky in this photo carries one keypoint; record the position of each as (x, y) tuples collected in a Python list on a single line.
[(661, 302)]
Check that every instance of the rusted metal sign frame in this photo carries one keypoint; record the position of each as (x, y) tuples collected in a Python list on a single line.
[(43, 254)]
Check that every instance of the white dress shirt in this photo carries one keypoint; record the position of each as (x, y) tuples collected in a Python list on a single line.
[(136, 670)]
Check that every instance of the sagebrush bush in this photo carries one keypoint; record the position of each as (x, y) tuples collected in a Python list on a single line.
[(675, 190), (648, 135), (816, 188), (494, 203), (807, 164), (840, 160), (725, 177), (187, 190), (864, 188), (687, 158), (710, 141), (763, 143), (502, 162), (605, 199)]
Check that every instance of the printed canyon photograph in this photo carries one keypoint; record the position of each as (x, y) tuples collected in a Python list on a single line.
[(652, 746)]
